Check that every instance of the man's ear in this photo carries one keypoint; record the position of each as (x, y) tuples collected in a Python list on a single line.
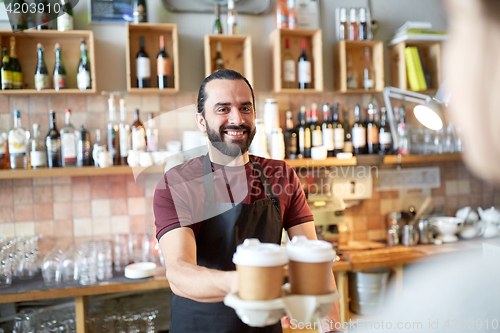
[(201, 122)]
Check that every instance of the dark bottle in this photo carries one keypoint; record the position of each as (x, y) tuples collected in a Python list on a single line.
[(363, 25), (15, 66), (139, 11), (138, 133), (290, 138), (163, 65), (304, 133), (217, 30), (42, 16), (143, 66), (315, 126), (113, 135), (5, 71), (83, 79), (347, 132), (60, 79), (53, 143), (358, 133), (327, 129), (218, 61), (385, 135), (41, 74), (372, 141), (20, 15), (83, 147), (338, 131), (304, 68)]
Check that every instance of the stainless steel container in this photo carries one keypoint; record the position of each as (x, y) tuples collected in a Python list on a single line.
[(425, 232), (367, 290), (393, 236), (410, 236)]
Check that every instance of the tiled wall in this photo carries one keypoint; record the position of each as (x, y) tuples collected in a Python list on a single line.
[(74, 209)]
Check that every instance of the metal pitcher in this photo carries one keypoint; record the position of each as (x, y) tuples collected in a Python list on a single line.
[(393, 236), (425, 232), (410, 236)]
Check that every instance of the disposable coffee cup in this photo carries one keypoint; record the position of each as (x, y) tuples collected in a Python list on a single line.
[(310, 266), (260, 269)]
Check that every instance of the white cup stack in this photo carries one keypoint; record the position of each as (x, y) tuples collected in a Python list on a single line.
[(277, 144), (258, 147)]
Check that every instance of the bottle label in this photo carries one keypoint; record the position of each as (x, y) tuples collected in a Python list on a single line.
[(17, 80), (138, 140), (83, 152), (307, 138), (372, 135), (358, 137), (403, 151), (17, 141), (385, 138), (41, 81), (339, 138), (317, 138), (68, 147), (289, 71), (65, 22), (38, 158), (6, 79), (352, 83), (282, 21), (328, 138), (164, 67), (305, 71), (368, 84), (347, 147), (291, 145), (83, 79), (293, 22), (143, 66), (59, 81), (52, 148), (124, 137)]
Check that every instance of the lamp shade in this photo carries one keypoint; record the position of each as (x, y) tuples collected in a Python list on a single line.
[(430, 115)]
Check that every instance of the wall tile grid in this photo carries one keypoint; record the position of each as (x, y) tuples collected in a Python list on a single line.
[(71, 210)]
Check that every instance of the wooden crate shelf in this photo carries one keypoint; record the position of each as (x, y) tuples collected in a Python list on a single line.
[(26, 51), (431, 56), (357, 51), (152, 33), (236, 53), (314, 52)]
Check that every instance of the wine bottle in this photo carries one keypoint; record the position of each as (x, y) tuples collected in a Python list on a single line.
[(328, 131), (347, 132), (97, 144), (338, 131), (6, 73), (163, 65), (68, 141), (41, 74), (152, 134), (217, 30), (343, 30), (113, 135), (65, 20), (292, 15), (218, 62), (83, 78), (368, 77), (281, 14), (372, 140), (304, 68), (83, 157), (124, 134), (232, 19), (38, 156), (19, 15), (139, 11), (353, 25), (304, 134), (4, 151), (315, 126), (53, 143), (289, 79), (42, 16), (358, 133), (351, 74), (60, 79), (15, 66), (17, 144), (363, 25), (403, 133), (290, 137), (143, 66), (138, 133), (385, 135)]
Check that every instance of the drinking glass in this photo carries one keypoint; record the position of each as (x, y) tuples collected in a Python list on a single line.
[(87, 264), (70, 264), (5, 268), (104, 263), (121, 252), (52, 268)]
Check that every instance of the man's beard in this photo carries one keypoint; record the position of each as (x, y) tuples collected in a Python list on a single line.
[(236, 147)]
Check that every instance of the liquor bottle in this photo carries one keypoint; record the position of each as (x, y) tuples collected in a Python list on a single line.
[(352, 75), (293, 22), (5, 71), (60, 79), (17, 144), (218, 62), (327, 129), (124, 134), (338, 131), (343, 30), (83, 78), (42, 16), (358, 133), (372, 131), (304, 68), (363, 25), (368, 77), (152, 135), (41, 73), (139, 11), (53, 143), (217, 29), (353, 25), (347, 132), (315, 126), (65, 20), (281, 14), (289, 79), (113, 135), (68, 141), (403, 133), (143, 66), (232, 19), (385, 135), (97, 144), (138, 133), (83, 156), (304, 134), (15, 66), (19, 15), (290, 136), (38, 155), (163, 65), (4, 149)]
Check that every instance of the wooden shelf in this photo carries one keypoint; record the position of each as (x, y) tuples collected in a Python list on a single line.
[(74, 171), (314, 52), (236, 53), (330, 161), (152, 33), (26, 42), (393, 159), (360, 91)]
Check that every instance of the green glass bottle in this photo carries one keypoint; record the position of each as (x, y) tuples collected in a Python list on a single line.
[(217, 24), (15, 66), (60, 80), (41, 74), (6, 73), (83, 78)]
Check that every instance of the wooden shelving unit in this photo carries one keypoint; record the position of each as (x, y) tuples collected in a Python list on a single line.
[(314, 52), (74, 171), (397, 159), (26, 42), (236, 53), (330, 161), (431, 56), (356, 49), (152, 33)]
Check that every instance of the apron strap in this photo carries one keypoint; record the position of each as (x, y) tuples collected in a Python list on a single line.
[(263, 179)]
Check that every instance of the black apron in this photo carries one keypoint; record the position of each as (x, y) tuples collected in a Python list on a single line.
[(216, 243)]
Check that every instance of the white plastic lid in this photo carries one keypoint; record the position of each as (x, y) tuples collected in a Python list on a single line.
[(254, 253), (302, 249)]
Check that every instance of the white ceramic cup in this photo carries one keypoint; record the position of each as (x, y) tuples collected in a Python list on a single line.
[(319, 153)]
